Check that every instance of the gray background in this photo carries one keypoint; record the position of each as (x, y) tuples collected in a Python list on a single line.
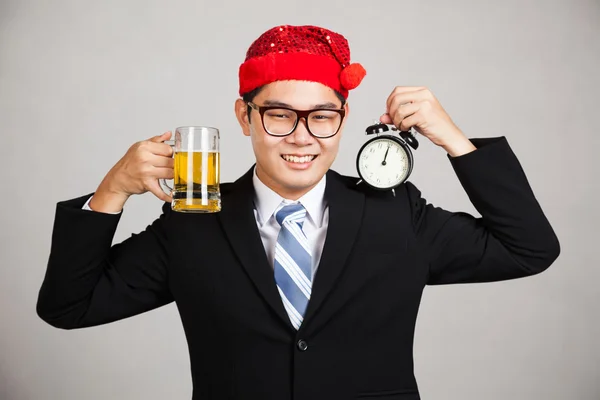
[(81, 81)]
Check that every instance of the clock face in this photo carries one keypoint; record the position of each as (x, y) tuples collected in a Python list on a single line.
[(383, 163)]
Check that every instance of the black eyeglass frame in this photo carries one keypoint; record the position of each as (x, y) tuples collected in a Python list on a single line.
[(300, 114)]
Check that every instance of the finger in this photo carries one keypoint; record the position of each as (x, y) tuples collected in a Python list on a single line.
[(160, 149), (405, 111), (405, 98), (161, 138), (402, 90), (409, 122), (386, 119), (163, 173), (162, 161), (156, 190)]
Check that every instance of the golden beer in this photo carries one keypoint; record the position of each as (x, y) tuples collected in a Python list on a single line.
[(196, 182)]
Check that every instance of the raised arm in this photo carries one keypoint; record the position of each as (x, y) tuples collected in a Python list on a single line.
[(511, 239), (89, 281)]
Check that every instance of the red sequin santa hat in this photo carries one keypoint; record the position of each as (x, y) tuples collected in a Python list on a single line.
[(308, 53)]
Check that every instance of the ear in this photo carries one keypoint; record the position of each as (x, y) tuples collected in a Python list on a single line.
[(347, 109), (241, 113)]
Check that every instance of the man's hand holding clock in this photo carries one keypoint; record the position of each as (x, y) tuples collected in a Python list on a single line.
[(416, 107)]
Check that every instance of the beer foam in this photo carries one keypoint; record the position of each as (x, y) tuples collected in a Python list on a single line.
[(196, 151)]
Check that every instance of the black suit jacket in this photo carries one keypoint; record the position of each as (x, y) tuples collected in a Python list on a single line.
[(357, 337)]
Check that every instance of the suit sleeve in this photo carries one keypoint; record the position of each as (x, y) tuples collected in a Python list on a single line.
[(511, 239), (89, 281)]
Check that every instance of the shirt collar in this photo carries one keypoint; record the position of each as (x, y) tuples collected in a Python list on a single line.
[(266, 201)]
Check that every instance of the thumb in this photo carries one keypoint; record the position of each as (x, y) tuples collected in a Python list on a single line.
[(386, 119), (161, 138), (155, 188)]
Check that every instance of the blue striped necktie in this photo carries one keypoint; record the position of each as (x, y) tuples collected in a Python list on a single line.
[(293, 262)]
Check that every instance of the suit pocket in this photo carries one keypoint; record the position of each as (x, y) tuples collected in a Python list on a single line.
[(401, 394)]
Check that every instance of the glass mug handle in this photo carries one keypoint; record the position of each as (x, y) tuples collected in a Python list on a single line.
[(163, 182)]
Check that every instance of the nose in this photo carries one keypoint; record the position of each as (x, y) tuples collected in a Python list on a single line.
[(301, 136)]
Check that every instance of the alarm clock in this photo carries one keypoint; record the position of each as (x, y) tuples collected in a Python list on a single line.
[(386, 161)]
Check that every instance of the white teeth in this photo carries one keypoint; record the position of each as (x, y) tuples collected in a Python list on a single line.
[(299, 160)]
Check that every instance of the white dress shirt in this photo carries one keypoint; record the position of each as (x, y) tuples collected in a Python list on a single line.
[(266, 202)]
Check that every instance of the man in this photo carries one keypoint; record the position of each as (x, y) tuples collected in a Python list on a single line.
[(305, 285)]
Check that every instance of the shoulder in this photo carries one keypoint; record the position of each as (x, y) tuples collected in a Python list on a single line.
[(227, 187), (405, 201), (406, 190)]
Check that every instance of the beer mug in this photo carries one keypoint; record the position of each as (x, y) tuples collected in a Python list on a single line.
[(196, 170)]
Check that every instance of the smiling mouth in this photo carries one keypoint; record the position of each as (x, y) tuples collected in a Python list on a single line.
[(297, 159)]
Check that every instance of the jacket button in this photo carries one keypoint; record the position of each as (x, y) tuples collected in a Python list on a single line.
[(302, 345)]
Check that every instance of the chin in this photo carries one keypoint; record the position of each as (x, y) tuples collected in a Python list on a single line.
[(294, 178), (299, 180), (293, 181)]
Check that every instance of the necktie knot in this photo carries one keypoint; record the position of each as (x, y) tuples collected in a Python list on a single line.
[(291, 213)]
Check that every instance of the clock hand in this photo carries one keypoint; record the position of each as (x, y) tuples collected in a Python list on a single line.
[(386, 153)]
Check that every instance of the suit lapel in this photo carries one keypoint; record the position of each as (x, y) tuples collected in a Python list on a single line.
[(345, 216), (239, 223)]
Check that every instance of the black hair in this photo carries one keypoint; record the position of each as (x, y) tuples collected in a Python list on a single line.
[(249, 96)]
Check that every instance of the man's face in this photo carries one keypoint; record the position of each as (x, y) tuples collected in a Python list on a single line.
[(293, 164)]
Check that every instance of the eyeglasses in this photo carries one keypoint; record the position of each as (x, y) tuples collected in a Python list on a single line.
[(282, 121)]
